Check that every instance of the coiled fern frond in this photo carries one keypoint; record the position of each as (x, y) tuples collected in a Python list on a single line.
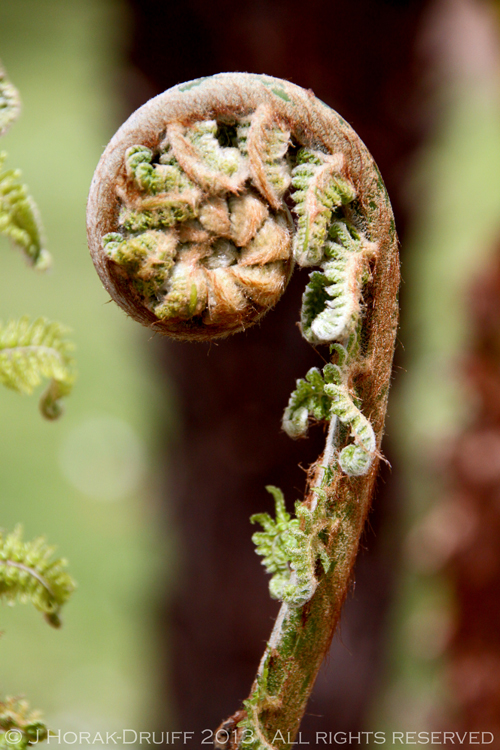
[(190, 229), (30, 351), (30, 573)]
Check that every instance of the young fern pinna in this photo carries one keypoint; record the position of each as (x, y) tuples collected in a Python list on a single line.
[(190, 229)]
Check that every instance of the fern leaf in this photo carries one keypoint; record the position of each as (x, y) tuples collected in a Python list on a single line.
[(308, 398), (320, 190), (269, 543), (265, 142), (19, 217), (20, 727), (32, 351), (213, 167), (291, 547), (28, 572), (167, 195), (355, 460), (331, 303), (9, 102)]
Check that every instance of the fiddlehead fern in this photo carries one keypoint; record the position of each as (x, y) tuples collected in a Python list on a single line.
[(190, 232), (203, 252)]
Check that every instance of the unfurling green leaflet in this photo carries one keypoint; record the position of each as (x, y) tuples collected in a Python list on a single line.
[(324, 396), (309, 399), (265, 143), (331, 313), (20, 727), (321, 190), (32, 351), (19, 219), (271, 545), (9, 103), (212, 167), (291, 547), (355, 460), (331, 303), (29, 572)]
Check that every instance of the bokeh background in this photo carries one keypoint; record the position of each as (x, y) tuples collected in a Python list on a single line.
[(147, 482)]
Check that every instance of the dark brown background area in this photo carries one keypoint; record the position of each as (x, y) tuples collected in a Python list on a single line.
[(358, 57)]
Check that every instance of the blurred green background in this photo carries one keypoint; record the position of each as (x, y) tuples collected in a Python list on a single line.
[(87, 482)]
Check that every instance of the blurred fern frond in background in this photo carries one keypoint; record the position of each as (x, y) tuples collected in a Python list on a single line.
[(29, 572), (9, 102), (30, 351), (20, 727), (19, 218)]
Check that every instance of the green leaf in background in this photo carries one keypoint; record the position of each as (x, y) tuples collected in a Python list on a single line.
[(9, 102), (20, 727), (19, 219), (29, 572), (32, 351)]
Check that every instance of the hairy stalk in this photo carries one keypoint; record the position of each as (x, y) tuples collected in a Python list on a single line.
[(190, 231)]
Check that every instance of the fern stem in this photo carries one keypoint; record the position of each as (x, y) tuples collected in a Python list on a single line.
[(328, 458)]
